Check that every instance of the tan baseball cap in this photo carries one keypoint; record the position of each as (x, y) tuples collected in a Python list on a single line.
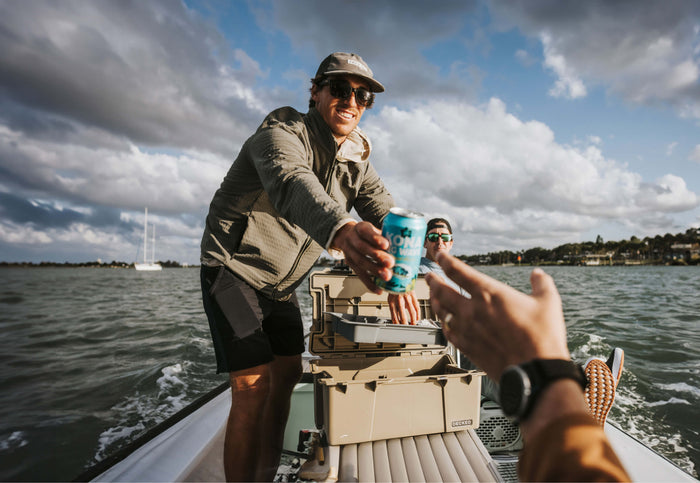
[(344, 63)]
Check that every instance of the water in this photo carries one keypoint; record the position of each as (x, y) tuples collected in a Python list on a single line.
[(91, 358)]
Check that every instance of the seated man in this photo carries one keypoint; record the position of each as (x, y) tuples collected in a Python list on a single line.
[(602, 376), (439, 239)]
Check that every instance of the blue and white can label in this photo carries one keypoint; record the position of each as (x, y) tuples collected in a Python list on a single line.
[(405, 231)]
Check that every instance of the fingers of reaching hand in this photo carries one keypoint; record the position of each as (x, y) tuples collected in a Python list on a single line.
[(448, 304), (362, 260), (414, 307), (543, 286), (396, 309), (404, 308), (404, 316), (363, 253), (473, 281)]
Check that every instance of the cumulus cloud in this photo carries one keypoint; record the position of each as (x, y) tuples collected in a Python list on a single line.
[(497, 175), (568, 83), (130, 178), (146, 71), (644, 51), (107, 107)]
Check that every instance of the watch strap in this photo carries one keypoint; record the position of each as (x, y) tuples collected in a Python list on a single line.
[(541, 373)]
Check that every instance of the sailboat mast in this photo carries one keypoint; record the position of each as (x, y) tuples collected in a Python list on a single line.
[(145, 237), (153, 249)]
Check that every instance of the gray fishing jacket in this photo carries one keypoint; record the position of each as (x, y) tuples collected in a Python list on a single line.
[(285, 193)]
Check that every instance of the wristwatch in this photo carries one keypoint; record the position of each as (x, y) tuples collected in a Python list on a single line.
[(521, 385)]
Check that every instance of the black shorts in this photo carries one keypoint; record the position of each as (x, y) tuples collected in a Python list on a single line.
[(247, 328)]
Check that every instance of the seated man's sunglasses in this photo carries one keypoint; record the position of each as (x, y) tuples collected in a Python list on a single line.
[(433, 237), (341, 89)]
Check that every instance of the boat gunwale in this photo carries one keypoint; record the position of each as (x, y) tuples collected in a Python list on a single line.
[(121, 454)]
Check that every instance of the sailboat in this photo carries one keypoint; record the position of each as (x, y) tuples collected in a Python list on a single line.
[(148, 266)]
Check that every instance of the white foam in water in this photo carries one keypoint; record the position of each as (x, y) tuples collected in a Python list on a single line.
[(146, 409), (169, 377), (681, 387), (594, 347), (673, 400), (13, 441), (637, 424), (111, 435)]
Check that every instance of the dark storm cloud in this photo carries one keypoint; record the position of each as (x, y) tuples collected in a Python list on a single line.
[(142, 70), (20, 210), (36, 124), (43, 215)]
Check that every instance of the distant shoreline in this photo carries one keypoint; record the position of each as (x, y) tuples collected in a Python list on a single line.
[(328, 263), (113, 264)]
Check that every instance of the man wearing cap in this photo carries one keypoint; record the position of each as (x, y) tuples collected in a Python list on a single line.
[(285, 199)]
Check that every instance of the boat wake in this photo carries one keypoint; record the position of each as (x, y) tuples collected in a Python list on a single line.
[(139, 412), (637, 417)]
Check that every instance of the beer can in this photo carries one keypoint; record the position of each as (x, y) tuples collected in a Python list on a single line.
[(405, 231)]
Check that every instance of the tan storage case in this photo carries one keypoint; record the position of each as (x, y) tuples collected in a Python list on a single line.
[(401, 383)]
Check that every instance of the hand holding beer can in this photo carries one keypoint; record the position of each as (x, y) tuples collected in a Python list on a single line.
[(405, 230)]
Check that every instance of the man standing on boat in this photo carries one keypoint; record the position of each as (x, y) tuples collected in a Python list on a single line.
[(285, 198)]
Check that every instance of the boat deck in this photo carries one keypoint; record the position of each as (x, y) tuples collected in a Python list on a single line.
[(456, 456), (450, 457), (192, 450)]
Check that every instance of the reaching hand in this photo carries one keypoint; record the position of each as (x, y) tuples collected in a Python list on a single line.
[(404, 308), (364, 248), (499, 325)]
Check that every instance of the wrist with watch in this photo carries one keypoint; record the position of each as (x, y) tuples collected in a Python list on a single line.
[(521, 385)]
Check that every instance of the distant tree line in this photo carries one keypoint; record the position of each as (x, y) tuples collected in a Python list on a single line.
[(95, 264), (679, 249)]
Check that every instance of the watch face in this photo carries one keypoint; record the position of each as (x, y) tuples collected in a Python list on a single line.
[(515, 390)]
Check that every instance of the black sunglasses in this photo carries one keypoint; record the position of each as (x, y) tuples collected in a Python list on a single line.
[(433, 237), (341, 89)]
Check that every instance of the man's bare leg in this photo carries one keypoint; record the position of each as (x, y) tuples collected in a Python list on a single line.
[(285, 374), (249, 391), (260, 400)]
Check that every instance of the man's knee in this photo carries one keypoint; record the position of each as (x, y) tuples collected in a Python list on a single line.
[(253, 382), (288, 370)]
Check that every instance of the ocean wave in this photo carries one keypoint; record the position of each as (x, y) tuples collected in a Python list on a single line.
[(634, 414), (592, 345), (15, 440), (673, 400), (108, 438), (139, 412), (681, 387), (11, 299)]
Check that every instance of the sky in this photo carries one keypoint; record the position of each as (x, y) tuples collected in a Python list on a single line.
[(524, 122)]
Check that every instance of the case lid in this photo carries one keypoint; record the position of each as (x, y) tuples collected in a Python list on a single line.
[(348, 320)]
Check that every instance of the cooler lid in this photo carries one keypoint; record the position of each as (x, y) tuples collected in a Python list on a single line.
[(349, 320)]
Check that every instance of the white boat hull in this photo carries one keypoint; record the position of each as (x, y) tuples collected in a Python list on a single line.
[(192, 449), (147, 267)]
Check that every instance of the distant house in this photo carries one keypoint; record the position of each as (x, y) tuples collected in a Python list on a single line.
[(685, 252), (594, 259)]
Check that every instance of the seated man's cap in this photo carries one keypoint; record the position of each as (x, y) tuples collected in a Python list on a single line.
[(343, 63)]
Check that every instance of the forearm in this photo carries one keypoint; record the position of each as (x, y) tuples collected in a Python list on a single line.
[(564, 443), (561, 397)]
